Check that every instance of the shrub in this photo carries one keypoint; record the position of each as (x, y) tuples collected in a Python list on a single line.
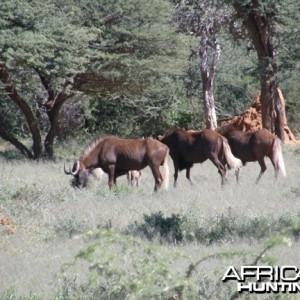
[(156, 225), (226, 227), (69, 227), (123, 267)]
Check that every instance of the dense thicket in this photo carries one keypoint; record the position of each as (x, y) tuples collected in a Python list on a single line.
[(123, 67)]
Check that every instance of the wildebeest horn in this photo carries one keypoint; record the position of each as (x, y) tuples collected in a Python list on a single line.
[(67, 172), (77, 168)]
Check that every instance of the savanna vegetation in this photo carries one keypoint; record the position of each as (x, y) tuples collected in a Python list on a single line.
[(71, 70), (132, 243)]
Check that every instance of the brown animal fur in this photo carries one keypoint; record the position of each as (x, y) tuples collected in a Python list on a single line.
[(117, 156), (255, 146), (187, 148)]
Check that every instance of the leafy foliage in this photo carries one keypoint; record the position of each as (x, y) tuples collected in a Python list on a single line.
[(128, 68), (221, 228), (149, 271), (69, 227), (156, 225), (47, 35)]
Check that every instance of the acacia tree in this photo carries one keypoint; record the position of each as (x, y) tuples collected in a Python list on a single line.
[(52, 49), (136, 77), (204, 20), (49, 42), (259, 18)]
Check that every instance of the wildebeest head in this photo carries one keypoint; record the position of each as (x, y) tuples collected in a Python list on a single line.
[(170, 136), (80, 175)]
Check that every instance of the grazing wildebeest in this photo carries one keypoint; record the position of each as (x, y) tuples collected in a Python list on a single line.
[(253, 146), (134, 177), (187, 148), (117, 156)]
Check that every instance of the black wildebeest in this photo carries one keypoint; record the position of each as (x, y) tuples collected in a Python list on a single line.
[(117, 156), (189, 147), (253, 146)]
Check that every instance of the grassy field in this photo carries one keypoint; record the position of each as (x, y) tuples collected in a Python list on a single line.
[(57, 242)]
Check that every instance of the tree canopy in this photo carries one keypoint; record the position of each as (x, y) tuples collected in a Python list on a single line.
[(125, 67), (53, 49)]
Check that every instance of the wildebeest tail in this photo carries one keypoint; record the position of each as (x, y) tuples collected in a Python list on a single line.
[(232, 161), (278, 158), (165, 171)]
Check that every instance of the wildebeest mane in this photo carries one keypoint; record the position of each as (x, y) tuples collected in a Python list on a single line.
[(126, 148), (91, 146), (170, 131), (182, 163)]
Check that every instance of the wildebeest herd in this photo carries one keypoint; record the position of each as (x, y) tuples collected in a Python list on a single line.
[(226, 148)]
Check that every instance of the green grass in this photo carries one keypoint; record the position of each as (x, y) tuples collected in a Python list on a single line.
[(130, 243)]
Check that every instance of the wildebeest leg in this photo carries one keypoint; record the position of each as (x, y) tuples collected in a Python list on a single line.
[(237, 173), (133, 180), (263, 168), (221, 168), (111, 175), (175, 173), (137, 180), (275, 167), (188, 175), (157, 177), (128, 177)]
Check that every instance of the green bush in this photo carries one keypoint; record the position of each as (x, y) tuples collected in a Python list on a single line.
[(69, 227), (157, 226), (226, 227)]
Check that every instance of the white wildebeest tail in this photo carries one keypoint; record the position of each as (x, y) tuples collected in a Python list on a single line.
[(232, 161), (166, 172), (278, 158)]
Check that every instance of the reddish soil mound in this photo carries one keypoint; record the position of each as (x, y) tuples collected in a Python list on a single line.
[(250, 120)]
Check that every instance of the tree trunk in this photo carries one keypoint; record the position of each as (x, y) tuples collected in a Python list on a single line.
[(208, 80), (53, 108), (209, 108), (31, 120), (23, 149), (258, 27), (280, 120)]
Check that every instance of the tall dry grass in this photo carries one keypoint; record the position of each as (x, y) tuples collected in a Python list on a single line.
[(52, 222)]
